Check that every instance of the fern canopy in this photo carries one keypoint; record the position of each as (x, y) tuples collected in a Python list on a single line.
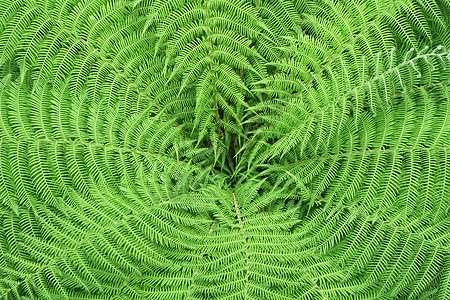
[(224, 149)]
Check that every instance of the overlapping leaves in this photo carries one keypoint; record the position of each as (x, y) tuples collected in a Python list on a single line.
[(224, 149)]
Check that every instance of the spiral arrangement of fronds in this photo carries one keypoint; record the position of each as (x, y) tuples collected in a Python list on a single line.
[(225, 149)]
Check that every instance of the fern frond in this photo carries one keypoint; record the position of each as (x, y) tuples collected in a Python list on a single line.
[(224, 149)]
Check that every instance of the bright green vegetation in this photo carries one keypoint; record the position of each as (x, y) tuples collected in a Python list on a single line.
[(224, 149)]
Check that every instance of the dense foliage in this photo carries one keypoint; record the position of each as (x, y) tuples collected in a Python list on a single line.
[(224, 149)]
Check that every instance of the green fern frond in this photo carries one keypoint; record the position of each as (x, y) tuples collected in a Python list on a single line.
[(224, 149)]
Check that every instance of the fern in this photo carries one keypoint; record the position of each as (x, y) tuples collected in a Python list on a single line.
[(224, 149)]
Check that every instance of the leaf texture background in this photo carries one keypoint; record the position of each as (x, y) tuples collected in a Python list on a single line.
[(224, 149)]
